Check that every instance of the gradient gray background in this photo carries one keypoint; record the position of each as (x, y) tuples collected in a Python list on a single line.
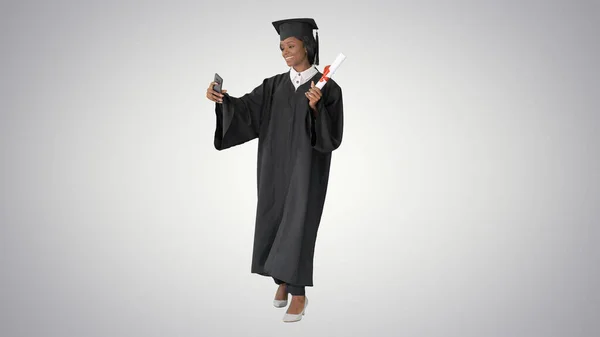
[(464, 200)]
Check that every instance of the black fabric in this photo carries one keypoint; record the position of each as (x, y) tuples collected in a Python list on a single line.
[(292, 289), (294, 156)]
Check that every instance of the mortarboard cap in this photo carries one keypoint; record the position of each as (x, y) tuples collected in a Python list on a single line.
[(298, 28), (295, 27)]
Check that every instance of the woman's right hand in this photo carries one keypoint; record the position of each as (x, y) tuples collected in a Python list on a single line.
[(213, 95)]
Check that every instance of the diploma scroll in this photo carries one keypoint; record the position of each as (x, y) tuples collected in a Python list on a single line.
[(330, 70)]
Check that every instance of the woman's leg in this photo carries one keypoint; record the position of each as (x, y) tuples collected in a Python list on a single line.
[(281, 294), (298, 299), (297, 292)]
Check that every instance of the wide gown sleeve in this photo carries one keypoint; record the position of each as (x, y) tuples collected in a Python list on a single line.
[(238, 119), (327, 126)]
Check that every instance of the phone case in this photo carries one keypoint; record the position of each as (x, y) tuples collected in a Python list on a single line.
[(219, 86)]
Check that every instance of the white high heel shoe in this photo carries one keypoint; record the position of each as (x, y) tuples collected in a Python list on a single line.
[(295, 317), (279, 303)]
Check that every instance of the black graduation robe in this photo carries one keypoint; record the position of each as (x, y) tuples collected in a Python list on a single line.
[(294, 156)]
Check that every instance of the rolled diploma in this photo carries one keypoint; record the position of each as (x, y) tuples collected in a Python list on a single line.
[(330, 70)]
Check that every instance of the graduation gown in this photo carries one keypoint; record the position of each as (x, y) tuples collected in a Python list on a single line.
[(294, 156)]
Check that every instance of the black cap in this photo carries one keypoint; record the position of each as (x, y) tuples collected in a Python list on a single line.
[(298, 28)]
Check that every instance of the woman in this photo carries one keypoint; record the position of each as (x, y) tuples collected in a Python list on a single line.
[(297, 126)]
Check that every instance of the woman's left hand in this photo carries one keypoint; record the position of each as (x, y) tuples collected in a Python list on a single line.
[(314, 95)]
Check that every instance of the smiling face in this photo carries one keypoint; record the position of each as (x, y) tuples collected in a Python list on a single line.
[(293, 52)]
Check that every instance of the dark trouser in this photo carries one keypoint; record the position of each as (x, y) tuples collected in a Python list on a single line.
[(292, 289)]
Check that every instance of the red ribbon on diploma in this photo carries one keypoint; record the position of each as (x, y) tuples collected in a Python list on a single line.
[(325, 73), (330, 70)]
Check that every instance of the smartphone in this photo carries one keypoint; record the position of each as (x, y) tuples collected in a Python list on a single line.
[(219, 86)]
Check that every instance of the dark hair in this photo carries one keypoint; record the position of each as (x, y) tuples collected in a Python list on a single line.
[(311, 49)]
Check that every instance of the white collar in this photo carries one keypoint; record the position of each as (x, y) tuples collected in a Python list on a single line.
[(299, 78)]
